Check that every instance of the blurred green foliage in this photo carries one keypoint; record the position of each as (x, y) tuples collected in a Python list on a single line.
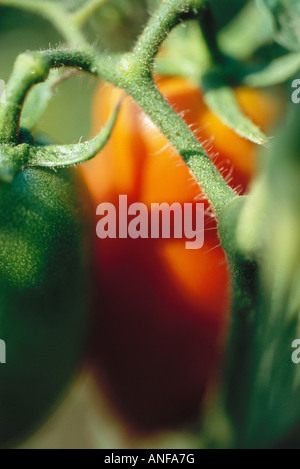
[(118, 23), (285, 19), (224, 11)]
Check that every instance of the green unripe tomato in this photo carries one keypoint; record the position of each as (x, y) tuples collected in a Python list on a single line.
[(44, 278)]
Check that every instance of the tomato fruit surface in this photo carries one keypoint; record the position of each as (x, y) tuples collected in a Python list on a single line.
[(44, 275), (159, 333)]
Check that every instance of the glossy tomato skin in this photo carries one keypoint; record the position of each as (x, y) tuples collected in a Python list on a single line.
[(45, 237), (159, 336)]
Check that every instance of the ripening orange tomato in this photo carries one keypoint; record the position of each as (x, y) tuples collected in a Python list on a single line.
[(161, 310)]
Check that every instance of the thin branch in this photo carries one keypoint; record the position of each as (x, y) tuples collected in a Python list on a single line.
[(29, 69), (87, 10)]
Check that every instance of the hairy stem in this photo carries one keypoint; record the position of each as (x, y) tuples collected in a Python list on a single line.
[(29, 69), (183, 140), (167, 16)]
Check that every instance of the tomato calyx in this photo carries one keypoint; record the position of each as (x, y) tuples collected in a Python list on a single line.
[(12, 159)]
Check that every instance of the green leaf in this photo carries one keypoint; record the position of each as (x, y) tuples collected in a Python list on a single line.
[(221, 99), (285, 18)]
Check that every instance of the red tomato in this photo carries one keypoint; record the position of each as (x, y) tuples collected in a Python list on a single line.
[(161, 310)]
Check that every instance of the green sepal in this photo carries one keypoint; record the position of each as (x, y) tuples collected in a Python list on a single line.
[(276, 72), (60, 156), (13, 159), (220, 98)]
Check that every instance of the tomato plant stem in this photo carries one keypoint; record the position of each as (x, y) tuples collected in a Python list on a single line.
[(131, 71), (183, 140), (29, 69), (168, 15)]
